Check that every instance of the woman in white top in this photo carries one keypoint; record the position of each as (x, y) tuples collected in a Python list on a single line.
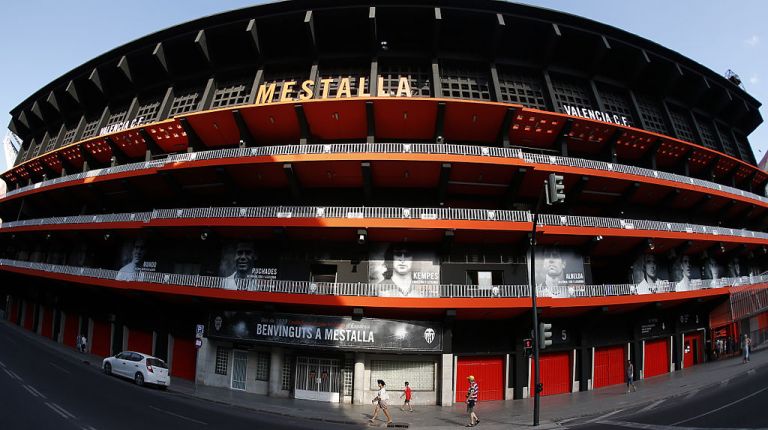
[(382, 399)]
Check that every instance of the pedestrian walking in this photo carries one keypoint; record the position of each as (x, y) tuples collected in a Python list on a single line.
[(747, 345), (472, 401), (83, 343), (407, 393), (382, 399), (630, 377), (78, 343)]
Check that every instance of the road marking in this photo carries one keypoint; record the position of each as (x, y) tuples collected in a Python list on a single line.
[(12, 374), (604, 416), (60, 368), (691, 394), (722, 407), (89, 428), (643, 426), (651, 406), (2, 364), (179, 416), (33, 391), (59, 410), (725, 382), (751, 372)]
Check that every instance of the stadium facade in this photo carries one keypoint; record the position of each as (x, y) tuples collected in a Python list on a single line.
[(300, 198)]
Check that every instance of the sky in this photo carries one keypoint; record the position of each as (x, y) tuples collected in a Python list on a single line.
[(41, 40)]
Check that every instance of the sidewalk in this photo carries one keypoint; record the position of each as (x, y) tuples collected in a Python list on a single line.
[(493, 415)]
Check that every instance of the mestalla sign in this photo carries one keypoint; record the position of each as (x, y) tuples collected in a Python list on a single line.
[(327, 331)]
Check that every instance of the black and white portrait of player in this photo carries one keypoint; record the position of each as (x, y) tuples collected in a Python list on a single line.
[(711, 271), (646, 274), (558, 271), (133, 260), (243, 259), (683, 273), (400, 271)]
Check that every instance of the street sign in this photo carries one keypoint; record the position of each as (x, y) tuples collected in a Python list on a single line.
[(199, 331), (198, 343)]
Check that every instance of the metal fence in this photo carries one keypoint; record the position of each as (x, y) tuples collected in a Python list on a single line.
[(364, 212), (371, 290), (392, 148)]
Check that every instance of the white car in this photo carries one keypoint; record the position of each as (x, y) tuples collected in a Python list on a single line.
[(142, 368)]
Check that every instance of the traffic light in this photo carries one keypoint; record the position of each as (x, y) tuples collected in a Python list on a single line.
[(555, 189), (545, 335), (528, 347)]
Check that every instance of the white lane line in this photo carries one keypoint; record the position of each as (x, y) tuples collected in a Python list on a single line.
[(643, 426), (60, 368), (89, 428), (651, 406), (751, 372), (722, 407), (604, 416), (34, 392), (2, 364), (691, 394), (725, 382), (179, 416), (12, 374), (59, 410)]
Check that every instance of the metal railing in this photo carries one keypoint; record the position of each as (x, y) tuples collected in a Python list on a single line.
[(393, 148), (80, 219), (637, 171), (364, 212), (372, 290)]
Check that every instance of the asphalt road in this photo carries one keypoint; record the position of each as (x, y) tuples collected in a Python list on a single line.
[(738, 403), (42, 389)]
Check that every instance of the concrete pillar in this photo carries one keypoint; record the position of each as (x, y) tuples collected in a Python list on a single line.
[(446, 380), (358, 380), (275, 372)]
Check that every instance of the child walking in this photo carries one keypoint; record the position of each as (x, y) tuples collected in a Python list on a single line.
[(407, 393)]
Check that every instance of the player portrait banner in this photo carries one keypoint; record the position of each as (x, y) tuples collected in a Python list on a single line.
[(327, 331), (135, 260), (240, 261), (559, 271), (402, 270)]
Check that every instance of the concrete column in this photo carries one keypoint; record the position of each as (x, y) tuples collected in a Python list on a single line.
[(275, 386), (446, 380), (358, 380)]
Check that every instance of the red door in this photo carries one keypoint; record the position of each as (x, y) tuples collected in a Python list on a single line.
[(46, 324), (71, 325), (29, 315), (692, 349), (555, 373), (140, 341), (488, 373), (14, 312), (609, 366), (102, 336), (183, 365), (656, 357)]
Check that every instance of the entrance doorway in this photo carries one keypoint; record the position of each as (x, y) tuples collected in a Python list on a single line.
[(239, 369), (317, 379)]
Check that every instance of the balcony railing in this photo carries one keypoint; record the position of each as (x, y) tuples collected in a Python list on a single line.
[(364, 212), (394, 148), (370, 290)]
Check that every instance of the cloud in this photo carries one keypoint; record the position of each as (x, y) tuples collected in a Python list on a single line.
[(753, 40), (754, 79)]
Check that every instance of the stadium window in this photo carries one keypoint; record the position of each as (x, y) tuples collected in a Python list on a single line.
[(485, 278)]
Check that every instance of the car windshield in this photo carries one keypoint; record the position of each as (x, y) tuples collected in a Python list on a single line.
[(156, 362)]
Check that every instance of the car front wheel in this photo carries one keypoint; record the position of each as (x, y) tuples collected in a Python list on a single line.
[(107, 368), (139, 379)]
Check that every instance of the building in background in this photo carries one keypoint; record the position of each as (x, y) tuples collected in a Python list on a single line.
[(298, 199)]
